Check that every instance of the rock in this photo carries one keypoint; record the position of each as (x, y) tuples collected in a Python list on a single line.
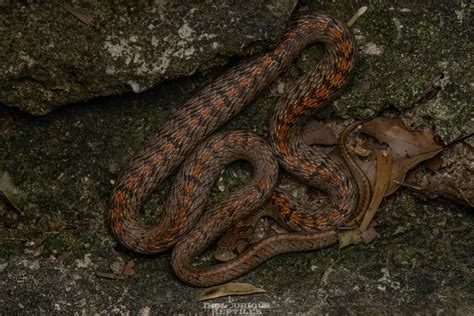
[(59, 53)]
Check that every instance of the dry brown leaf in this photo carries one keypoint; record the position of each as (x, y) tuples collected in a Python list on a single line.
[(408, 147), (369, 235), (384, 168), (316, 133), (128, 269), (349, 237), (228, 289), (82, 15), (117, 266)]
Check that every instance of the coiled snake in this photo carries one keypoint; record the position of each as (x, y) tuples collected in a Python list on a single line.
[(184, 224)]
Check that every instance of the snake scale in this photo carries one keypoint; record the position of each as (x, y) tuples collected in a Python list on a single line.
[(185, 141)]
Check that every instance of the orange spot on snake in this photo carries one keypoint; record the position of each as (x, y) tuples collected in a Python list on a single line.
[(324, 173), (336, 32), (185, 200), (217, 102), (182, 214), (275, 196), (321, 92), (280, 49), (293, 160), (336, 79), (118, 227), (206, 154), (205, 111), (280, 134), (181, 133), (276, 199), (119, 196), (295, 217), (308, 222), (189, 187), (309, 168), (343, 64), (232, 92), (345, 48), (321, 220), (306, 26), (289, 119), (299, 109), (196, 170), (252, 195), (193, 122), (245, 81), (267, 61), (168, 147), (309, 101), (145, 169), (264, 183), (343, 191), (336, 180), (321, 25), (157, 159), (334, 215), (173, 230), (284, 209), (232, 138), (256, 71), (116, 212), (282, 147), (132, 183)]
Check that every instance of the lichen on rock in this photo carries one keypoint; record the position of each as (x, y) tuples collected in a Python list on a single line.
[(49, 57)]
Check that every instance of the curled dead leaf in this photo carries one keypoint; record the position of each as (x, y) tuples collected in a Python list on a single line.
[(117, 266), (405, 149), (408, 147), (228, 289)]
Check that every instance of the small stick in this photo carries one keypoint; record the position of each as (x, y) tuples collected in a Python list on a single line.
[(356, 16), (111, 276)]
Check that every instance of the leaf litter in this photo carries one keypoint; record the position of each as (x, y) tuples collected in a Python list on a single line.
[(385, 150), (385, 157)]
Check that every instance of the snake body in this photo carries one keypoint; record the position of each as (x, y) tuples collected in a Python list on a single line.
[(184, 224)]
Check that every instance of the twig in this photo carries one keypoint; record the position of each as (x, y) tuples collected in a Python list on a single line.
[(356, 16), (81, 15), (446, 193), (111, 276), (463, 195), (455, 229), (458, 140), (403, 184), (16, 239)]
